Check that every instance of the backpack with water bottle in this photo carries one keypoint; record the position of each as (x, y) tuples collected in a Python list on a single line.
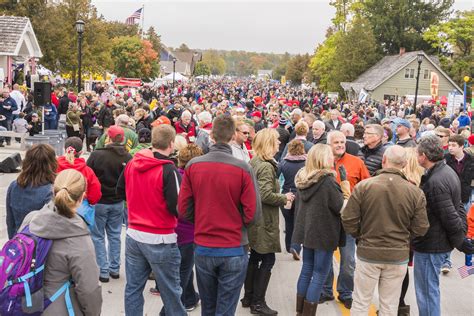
[(22, 263)]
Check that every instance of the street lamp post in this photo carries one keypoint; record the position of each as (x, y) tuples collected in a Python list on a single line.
[(419, 58), (80, 30), (466, 80), (174, 69)]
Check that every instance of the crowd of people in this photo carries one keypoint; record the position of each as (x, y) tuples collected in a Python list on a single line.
[(199, 173)]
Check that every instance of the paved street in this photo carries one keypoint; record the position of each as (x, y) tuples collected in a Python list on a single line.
[(457, 295)]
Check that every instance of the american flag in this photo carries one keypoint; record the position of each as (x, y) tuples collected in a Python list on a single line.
[(466, 271), (135, 16)]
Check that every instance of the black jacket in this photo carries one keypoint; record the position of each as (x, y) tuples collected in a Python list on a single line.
[(352, 147), (444, 209), (289, 166), (372, 157), (466, 176), (105, 118), (284, 138), (108, 164), (63, 105)]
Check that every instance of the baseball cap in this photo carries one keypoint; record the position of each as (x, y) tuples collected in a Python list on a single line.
[(471, 140), (403, 122), (257, 114), (116, 133), (161, 120)]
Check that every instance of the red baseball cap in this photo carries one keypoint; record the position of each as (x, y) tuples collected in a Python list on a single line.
[(257, 114), (116, 133)]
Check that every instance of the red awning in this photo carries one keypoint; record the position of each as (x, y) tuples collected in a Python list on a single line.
[(129, 82)]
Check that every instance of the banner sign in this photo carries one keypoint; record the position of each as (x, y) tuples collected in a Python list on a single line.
[(130, 82)]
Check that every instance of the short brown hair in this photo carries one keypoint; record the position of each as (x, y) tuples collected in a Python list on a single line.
[(162, 136), (39, 166), (188, 153), (456, 138), (296, 148), (223, 129), (301, 128)]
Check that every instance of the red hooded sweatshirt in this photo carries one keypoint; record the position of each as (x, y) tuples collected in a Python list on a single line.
[(93, 193), (147, 208)]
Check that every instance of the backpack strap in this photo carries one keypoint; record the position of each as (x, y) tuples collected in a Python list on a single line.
[(67, 297)]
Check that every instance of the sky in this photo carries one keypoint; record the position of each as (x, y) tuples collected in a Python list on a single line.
[(269, 26)]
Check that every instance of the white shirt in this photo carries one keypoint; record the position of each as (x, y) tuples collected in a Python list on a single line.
[(153, 239), (19, 99), (240, 152)]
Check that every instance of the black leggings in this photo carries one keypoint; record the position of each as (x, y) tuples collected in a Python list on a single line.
[(406, 282), (266, 261)]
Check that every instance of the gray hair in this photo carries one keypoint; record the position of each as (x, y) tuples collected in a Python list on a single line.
[(205, 117), (187, 114), (349, 128), (431, 146), (319, 124), (396, 156), (122, 119), (377, 129), (333, 134)]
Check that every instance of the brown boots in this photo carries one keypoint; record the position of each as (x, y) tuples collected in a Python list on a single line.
[(305, 308)]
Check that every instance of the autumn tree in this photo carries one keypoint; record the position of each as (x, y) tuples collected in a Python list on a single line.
[(297, 68), (134, 58)]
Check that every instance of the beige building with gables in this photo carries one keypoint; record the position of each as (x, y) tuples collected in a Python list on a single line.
[(394, 77)]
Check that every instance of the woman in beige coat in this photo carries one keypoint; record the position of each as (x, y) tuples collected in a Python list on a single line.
[(72, 255)]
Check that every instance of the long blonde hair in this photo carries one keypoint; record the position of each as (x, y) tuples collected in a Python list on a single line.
[(320, 157), (69, 188), (413, 171), (264, 143)]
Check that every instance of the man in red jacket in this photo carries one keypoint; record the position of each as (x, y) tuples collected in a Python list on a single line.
[(219, 195), (150, 185)]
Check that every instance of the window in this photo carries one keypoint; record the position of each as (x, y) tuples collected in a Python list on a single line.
[(426, 74), (389, 97), (407, 73), (412, 73)]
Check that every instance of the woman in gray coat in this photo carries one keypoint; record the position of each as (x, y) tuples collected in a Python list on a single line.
[(72, 255)]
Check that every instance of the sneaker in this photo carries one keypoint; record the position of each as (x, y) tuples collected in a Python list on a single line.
[(193, 307), (325, 298), (154, 291), (347, 302), (445, 269), (296, 255), (114, 275), (104, 280)]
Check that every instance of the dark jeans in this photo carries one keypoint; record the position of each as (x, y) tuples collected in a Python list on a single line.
[(289, 216), (50, 124), (220, 280), (189, 297), (266, 261)]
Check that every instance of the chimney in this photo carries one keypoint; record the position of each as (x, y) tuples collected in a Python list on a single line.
[(402, 51)]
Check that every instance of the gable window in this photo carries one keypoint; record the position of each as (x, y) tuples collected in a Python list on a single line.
[(426, 74), (412, 73)]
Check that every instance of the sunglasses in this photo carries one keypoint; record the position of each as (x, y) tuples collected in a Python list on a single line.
[(441, 136)]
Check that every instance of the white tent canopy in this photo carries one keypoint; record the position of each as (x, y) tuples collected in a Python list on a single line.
[(177, 77)]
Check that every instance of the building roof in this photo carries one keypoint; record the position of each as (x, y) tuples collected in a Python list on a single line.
[(388, 67), (188, 57), (17, 37), (181, 67)]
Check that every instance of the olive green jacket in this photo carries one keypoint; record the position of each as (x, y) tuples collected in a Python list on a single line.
[(264, 234)]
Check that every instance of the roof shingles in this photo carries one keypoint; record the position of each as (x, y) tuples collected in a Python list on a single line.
[(11, 29)]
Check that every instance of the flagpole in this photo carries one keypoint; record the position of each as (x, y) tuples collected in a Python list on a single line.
[(143, 21)]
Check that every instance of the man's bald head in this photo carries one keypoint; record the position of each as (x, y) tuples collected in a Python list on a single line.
[(394, 157)]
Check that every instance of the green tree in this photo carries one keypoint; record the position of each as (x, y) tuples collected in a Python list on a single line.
[(338, 59), (154, 39), (214, 62), (117, 29), (297, 68), (201, 69), (134, 58), (183, 48), (401, 23), (453, 41)]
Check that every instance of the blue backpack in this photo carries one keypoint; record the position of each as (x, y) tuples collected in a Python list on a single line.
[(22, 261)]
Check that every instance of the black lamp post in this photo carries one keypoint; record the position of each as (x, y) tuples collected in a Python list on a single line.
[(80, 30), (174, 69), (419, 58)]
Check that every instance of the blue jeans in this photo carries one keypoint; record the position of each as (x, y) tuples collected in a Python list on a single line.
[(108, 220), (220, 280), (189, 297), (427, 267), (314, 272), (164, 261), (289, 216), (345, 280)]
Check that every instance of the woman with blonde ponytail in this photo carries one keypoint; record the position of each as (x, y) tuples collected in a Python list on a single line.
[(72, 255)]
